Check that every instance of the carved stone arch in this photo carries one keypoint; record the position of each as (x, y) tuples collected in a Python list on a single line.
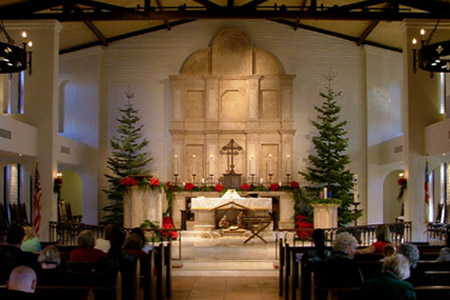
[(232, 90)]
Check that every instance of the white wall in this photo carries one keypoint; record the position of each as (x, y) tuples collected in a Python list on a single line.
[(143, 65)]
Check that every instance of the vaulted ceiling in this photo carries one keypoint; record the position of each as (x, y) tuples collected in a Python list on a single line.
[(90, 23)]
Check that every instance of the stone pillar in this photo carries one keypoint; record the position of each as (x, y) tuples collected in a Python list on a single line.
[(420, 108), (325, 215), (141, 205), (41, 105)]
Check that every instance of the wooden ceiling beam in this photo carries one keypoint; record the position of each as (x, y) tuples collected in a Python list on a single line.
[(357, 5), (92, 27), (368, 30), (233, 14), (166, 21), (252, 4), (209, 5)]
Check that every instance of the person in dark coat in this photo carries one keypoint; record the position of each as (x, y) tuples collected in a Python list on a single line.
[(417, 277), (390, 285), (12, 256), (21, 283)]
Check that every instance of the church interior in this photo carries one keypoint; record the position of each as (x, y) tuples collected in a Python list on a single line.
[(226, 94)]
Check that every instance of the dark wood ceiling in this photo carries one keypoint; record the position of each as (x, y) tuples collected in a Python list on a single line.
[(89, 23)]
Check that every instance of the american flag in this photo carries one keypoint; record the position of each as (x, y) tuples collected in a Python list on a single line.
[(37, 194)]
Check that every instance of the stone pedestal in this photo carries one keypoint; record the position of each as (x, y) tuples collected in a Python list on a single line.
[(142, 204), (325, 215)]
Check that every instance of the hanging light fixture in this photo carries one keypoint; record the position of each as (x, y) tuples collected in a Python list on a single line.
[(434, 58), (14, 58)]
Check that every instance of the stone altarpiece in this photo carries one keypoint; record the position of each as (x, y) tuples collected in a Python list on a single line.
[(232, 90)]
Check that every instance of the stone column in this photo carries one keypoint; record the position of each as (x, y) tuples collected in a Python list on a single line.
[(420, 108)]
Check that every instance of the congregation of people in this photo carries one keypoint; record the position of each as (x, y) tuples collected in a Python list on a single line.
[(25, 266), (338, 269)]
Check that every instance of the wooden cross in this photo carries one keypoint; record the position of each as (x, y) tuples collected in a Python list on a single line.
[(230, 150)]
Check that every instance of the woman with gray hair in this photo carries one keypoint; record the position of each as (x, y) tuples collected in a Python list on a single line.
[(391, 285), (417, 277), (339, 269)]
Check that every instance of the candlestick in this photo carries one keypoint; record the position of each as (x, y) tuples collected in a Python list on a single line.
[(252, 165), (261, 181), (355, 188), (212, 166), (176, 165), (288, 165), (270, 164), (193, 165), (203, 181)]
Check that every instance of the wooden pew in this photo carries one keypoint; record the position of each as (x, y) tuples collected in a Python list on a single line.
[(422, 293)]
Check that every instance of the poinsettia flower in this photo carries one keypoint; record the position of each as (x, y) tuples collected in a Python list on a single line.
[(189, 186), (294, 184), (128, 181), (401, 181), (274, 187), (245, 187), (219, 187), (169, 185), (154, 181)]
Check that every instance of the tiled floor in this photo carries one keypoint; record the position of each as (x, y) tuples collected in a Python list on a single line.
[(225, 288)]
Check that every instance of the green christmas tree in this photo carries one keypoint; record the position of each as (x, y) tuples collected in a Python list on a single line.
[(328, 167), (127, 159)]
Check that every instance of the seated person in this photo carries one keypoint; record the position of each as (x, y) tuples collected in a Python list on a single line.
[(319, 253), (21, 283), (417, 277), (103, 244), (133, 245), (11, 255), (51, 272), (389, 250), (30, 242), (339, 269), (383, 236), (85, 251), (444, 254), (390, 285)]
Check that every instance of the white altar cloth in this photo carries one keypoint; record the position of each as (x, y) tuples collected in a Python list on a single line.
[(202, 203)]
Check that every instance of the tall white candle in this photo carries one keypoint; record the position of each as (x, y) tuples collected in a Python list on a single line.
[(176, 166), (193, 164), (325, 193), (252, 165), (261, 180), (288, 164), (355, 188), (212, 166), (270, 164)]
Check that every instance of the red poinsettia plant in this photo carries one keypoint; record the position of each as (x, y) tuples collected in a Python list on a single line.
[(274, 187), (154, 181), (245, 187), (218, 187), (128, 181), (305, 228), (294, 184), (189, 186), (168, 224)]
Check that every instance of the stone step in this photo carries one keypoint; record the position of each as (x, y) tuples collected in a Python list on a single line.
[(225, 268)]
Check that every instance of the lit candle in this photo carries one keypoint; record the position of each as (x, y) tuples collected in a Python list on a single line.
[(212, 167), (355, 188), (193, 164), (184, 183), (203, 180), (261, 180), (175, 165), (279, 183), (288, 164), (325, 193), (270, 164), (252, 165)]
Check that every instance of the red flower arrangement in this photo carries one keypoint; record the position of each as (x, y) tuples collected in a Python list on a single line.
[(274, 187), (169, 185), (306, 228), (128, 181), (245, 187), (294, 184), (168, 224), (154, 181), (219, 187), (189, 186)]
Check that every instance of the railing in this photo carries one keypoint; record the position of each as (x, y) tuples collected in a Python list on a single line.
[(437, 231), (365, 234), (65, 234)]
